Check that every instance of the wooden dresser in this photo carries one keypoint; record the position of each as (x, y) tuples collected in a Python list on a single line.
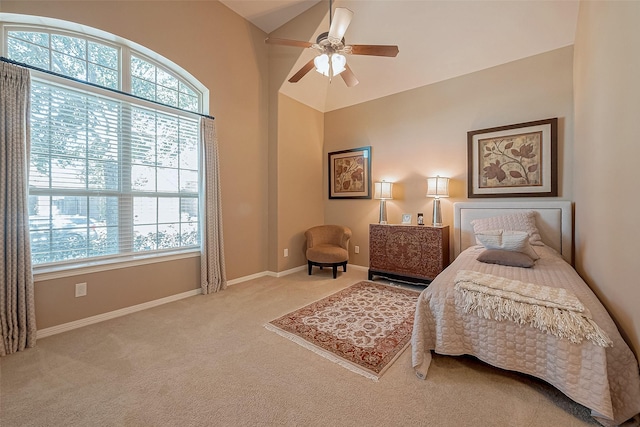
[(412, 253)]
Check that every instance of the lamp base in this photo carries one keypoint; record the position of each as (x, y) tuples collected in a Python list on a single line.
[(437, 214), (383, 212)]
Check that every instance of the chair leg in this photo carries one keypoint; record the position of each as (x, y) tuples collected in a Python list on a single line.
[(335, 270), (309, 263), (344, 267)]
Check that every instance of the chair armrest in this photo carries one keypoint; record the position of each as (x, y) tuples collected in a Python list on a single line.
[(309, 236), (346, 236)]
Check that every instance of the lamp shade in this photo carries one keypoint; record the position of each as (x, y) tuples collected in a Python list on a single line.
[(338, 63), (383, 190), (322, 64), (438, 187)]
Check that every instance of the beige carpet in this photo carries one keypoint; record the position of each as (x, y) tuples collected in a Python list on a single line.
[(208, 361)]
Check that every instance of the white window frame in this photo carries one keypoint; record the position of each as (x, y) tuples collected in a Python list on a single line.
[(13, 22)]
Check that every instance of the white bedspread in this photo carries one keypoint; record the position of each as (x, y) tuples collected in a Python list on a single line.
[(606, 380)]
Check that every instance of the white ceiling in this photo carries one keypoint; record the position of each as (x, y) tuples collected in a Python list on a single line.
[(438, 40)]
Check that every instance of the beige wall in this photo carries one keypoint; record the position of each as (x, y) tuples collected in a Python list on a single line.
[(300, 203), (229, 57), (423, 132), (607, 108), (295, 151)]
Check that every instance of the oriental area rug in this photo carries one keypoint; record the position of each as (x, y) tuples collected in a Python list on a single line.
[(363, 328)]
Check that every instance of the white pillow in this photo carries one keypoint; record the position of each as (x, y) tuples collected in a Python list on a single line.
[(519, 221), (507, 240)]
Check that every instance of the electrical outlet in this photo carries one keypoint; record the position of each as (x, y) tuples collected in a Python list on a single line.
[(81, 289), (356, 249), (286, 253)]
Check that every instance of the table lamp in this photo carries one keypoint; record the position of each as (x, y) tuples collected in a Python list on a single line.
[(437, 187), (383, 191)]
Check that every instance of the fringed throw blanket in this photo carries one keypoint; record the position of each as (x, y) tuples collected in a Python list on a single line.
[(555, 311)]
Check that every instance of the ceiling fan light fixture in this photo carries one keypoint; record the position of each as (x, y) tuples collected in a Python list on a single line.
[(322, 64), (330, 65), (338, 63)]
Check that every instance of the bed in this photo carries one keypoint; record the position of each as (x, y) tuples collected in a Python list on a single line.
[(605, 379)]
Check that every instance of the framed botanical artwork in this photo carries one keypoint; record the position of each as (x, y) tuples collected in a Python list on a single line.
[(350, 174), (518, 160)]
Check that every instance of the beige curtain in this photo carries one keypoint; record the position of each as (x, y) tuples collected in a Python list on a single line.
[(17, 313), (212, 273)]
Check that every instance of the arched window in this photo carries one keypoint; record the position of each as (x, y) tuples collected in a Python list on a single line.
[(111, 175)]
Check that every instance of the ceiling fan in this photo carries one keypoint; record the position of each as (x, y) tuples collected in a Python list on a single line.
[(332, 48)]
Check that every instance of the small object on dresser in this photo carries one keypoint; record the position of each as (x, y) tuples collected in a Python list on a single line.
[(406, 219), (420, 218)]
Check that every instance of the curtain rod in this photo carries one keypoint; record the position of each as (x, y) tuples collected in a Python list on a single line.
[(53, 73)]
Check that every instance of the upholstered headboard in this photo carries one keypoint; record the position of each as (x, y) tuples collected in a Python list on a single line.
[(554, 220)]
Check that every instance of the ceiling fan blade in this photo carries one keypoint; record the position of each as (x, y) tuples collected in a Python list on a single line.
[(374, 49), (302, 72), (341, 20), (348, 77), (286, 42)]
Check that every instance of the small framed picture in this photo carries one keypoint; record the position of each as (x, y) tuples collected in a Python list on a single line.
[(406, 219), (350, 173), (420, 218)]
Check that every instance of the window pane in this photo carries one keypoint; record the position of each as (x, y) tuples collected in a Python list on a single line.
[(41, 39), (187, 90), (168, 236), (188, 98), (39, 171), (69, 45), (189, 221), (189, 103), (168, 209), (188, 146), (103, 175), (28, 53), (168, 144), (67, 173), (69, 66), (167, 80), (167, 96), (103, 214), (103, 55), (142, 69), (145, 210), (167, 180), (103, 130), (143, 178), (143, 88), (143, 134), (146, 238), (189, 181), (103, 76)]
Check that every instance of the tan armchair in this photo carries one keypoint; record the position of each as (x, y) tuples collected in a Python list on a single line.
[(328, 246)]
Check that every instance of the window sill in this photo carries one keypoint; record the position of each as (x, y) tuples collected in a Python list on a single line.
[(60, 271)]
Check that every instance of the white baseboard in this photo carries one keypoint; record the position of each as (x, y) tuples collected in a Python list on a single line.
[(58, 329), (246, 278), (263, 274), (287, 272)]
